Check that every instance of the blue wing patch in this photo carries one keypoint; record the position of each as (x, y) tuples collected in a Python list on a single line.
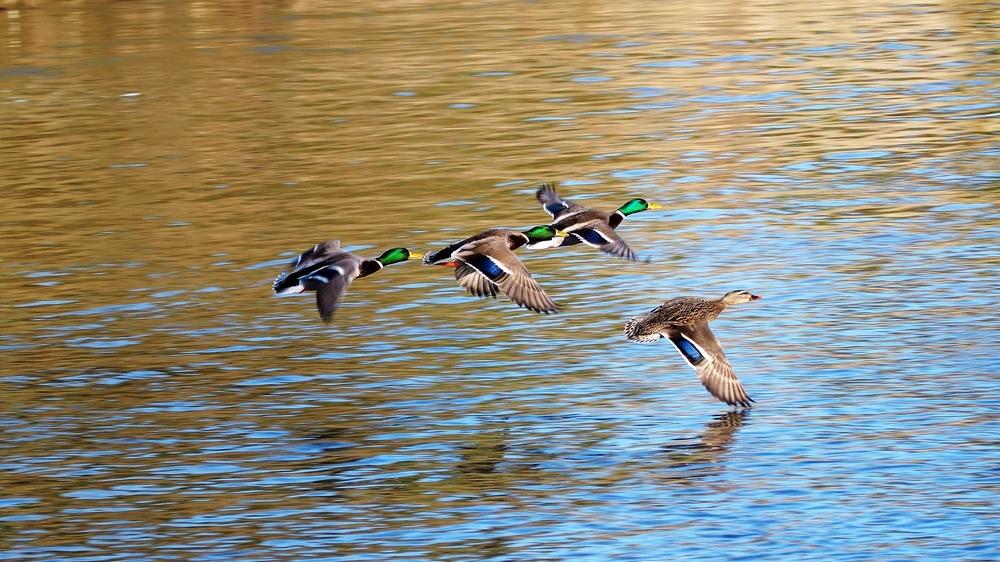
[(486, 266), (555, 209), (688, 350), (591, 236)]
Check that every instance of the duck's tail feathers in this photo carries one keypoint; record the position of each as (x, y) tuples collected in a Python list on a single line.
[(283, 285), (633, 334)]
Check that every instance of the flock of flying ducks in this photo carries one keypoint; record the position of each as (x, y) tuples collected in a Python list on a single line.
[(485, 264)]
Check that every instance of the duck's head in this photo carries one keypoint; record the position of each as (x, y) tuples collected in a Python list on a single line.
[(738, 297), (397, 255), (543, 236), (637, 206)]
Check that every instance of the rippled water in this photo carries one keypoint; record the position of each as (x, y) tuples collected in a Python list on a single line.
[(162, 161)]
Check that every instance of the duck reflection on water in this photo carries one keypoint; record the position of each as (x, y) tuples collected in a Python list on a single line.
[(699, 457)]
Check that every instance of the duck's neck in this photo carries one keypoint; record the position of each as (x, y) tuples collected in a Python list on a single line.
[(517, 239), (368, 267), (717, 307), (553, 243), (616, 218), (632, 207)]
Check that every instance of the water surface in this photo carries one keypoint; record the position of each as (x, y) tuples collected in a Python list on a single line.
[(163, 160)]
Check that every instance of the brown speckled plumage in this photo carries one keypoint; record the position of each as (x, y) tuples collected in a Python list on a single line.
[(681, 311), (684, 321)]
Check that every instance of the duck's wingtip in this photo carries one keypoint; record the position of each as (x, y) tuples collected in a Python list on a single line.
[(543, 189)]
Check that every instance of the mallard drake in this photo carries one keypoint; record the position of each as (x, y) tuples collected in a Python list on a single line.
[(684, 321), (486, 262), (590, 226), (328, 270)]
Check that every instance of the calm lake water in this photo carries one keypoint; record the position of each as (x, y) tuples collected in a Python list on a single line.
[(162, 161)]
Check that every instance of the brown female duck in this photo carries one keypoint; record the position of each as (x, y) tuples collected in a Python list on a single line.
[(684, 321)]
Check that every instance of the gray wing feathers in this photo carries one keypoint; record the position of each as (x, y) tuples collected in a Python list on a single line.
[(526, 292), (551, 202), (331, 283), (516, 281), (715, 372), (316, 253), (328, 247), (329, 295), (474, 282), (616, 246), (599, 234)]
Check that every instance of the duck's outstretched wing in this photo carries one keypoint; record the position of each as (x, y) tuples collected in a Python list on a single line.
[(476, 283), (308, 262), (331, 283), (551, 202), (599, 234), (447, 254), (317, 252), (699, 347), (498, 264)]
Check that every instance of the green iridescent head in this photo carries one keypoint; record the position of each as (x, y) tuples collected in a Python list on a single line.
[(542, 233), (637, 206), (397, 255)]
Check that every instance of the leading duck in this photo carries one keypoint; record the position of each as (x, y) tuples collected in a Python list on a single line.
[(590, 226)]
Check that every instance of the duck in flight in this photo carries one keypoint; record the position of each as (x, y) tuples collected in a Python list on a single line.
[(590, 226), (486, 263), (329, 271), (684, 321)]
